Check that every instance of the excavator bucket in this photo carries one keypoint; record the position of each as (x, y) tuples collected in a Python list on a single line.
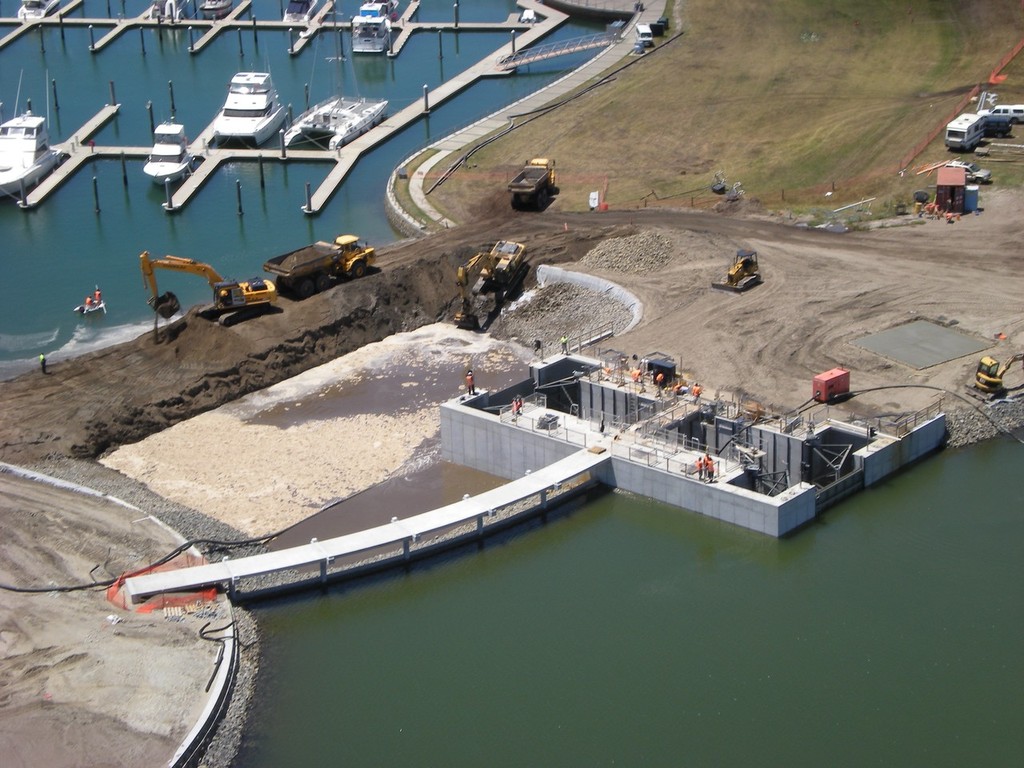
[(165, 305)]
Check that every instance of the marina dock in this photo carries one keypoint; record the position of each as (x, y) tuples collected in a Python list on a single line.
[(344, 158)]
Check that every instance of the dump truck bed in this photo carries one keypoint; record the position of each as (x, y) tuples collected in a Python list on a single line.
[(528, 179), (308, 259)]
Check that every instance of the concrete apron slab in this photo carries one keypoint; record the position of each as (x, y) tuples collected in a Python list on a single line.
[(921, 344)]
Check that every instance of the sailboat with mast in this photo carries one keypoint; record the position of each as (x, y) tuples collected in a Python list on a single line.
[(335, 121)]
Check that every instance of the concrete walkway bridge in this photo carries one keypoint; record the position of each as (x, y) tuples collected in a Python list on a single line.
[(400, 541), (553, 50)]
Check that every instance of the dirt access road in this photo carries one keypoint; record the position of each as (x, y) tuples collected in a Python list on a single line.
[(822, 291)]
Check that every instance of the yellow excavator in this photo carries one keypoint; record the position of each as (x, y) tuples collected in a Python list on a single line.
[(988, 379), (500, 272), (743, 274), (233, 300)]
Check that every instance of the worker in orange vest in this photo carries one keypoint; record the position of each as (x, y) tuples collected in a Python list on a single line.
[(700, 467), (470, 385), (709, 467)]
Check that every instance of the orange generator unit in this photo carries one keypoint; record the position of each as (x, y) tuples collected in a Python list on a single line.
[(830, 384)]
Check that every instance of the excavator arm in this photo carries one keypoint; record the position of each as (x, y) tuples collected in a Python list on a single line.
[(166, 304), (228, 295), (1006, 366)]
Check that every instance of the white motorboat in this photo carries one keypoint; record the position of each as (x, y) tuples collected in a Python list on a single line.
[(169, 160), (335, 121), (172, 10), (300, 11), (252, 112), (371, 27), (215, 9), (25, 153), (37, 9)]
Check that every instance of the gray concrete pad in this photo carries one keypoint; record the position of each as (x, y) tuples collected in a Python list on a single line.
[(921, 344)]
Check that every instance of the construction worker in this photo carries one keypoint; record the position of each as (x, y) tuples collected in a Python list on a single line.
[(695, 390), (565, 344), (659, 379), (517, 407), (700, 467), (42, 362), (470, 385), (709, 468)]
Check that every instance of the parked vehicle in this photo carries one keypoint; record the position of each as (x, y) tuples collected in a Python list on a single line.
[(645, 35), (1013, 111), (965, 132), (998, 125), (975, 173), (534, 185), (312, 268)]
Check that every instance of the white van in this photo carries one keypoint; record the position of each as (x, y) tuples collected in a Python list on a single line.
[(644, 35), (965, 132)]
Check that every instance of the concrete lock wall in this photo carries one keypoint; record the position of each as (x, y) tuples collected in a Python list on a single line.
[(478, 440), (883, 457), (773, 515)]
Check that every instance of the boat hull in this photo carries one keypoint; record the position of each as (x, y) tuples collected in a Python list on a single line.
[(92, 309), (161, 173), (14, 179), (229, 129), (335, 122)]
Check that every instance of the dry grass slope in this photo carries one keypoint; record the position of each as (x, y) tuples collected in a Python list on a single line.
[(786, 96)]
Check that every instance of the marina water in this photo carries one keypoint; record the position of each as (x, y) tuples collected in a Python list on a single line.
[(55, 254), (630, 633)]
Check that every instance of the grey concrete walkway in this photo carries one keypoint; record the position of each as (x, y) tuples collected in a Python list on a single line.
[(398, 532), (460, 141)]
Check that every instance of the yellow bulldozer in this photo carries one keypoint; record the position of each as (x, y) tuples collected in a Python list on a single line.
[(233, 300), (744, 273)]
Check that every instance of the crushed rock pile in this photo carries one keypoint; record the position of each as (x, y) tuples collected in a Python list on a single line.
[(560, 309), (635, 255)]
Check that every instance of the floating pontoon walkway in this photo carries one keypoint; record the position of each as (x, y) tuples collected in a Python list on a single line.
[(77, 155), (201, 32), (344, 158), (532, 491)]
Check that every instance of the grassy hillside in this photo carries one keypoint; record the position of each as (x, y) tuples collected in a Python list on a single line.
[(788, 97)]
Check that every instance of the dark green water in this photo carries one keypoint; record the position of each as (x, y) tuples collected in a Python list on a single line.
[(629, 633)]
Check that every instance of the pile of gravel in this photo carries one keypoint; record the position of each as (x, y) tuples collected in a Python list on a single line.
[(635, 255), (560, 309)]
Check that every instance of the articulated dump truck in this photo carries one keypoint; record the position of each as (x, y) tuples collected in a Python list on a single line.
[(534, 185), (313, 268)]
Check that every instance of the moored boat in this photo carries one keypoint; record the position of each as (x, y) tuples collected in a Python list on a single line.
[(336, 121), (169, 160), (252, 112), (25, 153), (371, 27), (37, 9), (215, 9), (300, 11)]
